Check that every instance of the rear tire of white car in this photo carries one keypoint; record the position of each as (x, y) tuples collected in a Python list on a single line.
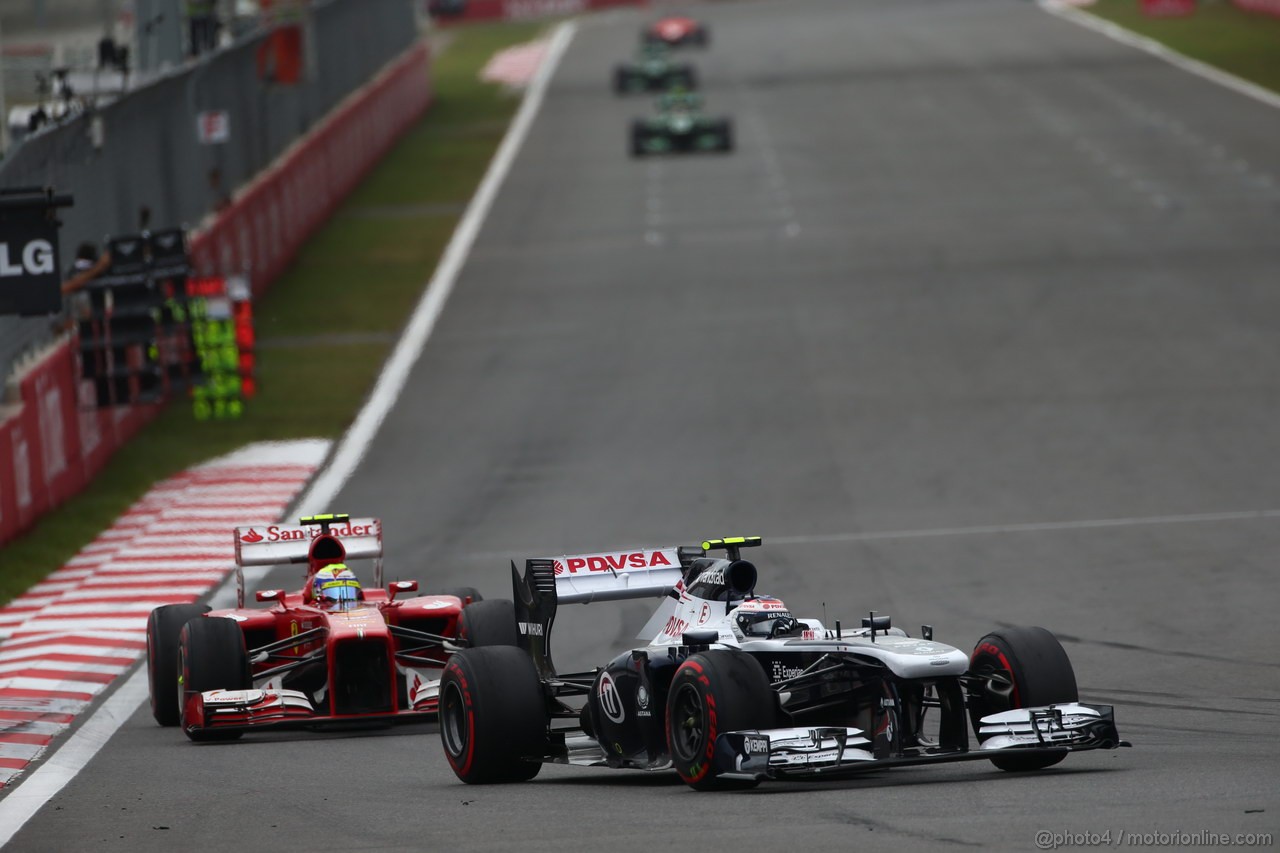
[(722, 690), (164, 625), (1025, 668), (211, 656), (493, 716), (489, 623)]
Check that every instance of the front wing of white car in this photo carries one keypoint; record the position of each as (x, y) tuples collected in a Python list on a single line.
[(826, 751)]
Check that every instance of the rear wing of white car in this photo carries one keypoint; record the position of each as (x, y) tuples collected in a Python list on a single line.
[(615, 575), (323, 536), (584, 578)]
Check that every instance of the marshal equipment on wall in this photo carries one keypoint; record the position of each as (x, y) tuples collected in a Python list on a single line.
[(135, 324), (30, 284)]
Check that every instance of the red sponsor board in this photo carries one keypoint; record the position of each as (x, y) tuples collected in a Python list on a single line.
[(261, 231), (51, 400), (258, 234), (1265, 7), (9, 526), (1168, 8)]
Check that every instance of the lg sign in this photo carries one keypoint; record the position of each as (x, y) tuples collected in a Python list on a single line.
[(34, 258), (29, 281)]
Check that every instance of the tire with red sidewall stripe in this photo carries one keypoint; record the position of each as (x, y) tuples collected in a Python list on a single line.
[(717, 691), (1024, 667), (493, 715), (489, 623), (163, 627), (211, 656)]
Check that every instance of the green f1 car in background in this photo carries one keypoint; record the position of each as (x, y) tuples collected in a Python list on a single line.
[(653, 71), (680, 126)]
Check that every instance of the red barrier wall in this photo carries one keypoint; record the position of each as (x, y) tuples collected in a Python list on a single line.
[(482, 10), (1266, 7), (52, 442)]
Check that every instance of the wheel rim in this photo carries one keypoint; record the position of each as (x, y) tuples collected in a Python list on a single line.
[(997, 687), (688, 723), (453, 721)]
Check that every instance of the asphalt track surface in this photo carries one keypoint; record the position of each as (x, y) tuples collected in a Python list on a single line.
[(977, 327)]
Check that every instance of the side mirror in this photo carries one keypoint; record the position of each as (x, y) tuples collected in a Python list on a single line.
[(397, 587), (269, 595)]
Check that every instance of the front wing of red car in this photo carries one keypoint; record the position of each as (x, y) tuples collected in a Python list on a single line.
[(280, 708)]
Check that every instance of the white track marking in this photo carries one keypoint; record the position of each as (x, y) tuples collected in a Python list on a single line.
[(1186, 63), (59, 768), (396, 372), (521, 551), (21, 804), (1032, 527)]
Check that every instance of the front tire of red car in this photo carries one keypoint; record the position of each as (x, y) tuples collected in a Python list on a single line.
[(1020, 667), (164, 625), (493, 716), (211, 656)]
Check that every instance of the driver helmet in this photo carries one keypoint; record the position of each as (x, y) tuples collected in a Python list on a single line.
[(764, 617), (335, 588)]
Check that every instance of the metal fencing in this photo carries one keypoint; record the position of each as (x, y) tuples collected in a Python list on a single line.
[(138, 161)]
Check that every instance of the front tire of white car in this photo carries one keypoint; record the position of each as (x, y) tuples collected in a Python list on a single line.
[(1020, 667)]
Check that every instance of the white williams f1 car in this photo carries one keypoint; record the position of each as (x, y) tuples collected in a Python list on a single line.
[(733, 689)]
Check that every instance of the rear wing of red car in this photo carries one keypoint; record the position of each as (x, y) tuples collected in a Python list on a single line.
[(337, 536)]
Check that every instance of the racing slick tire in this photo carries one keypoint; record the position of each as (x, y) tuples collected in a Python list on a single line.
[(725, 128), (493, 717), (1031, 668), (463, 592), (638, 135), (621, 80), (163, 627), (682, 76), (211, 656), (721, 690), (489, 623)]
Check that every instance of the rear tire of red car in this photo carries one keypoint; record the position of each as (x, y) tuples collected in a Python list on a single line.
[(721, 690), (163, 627), (489, 623), (493, 716), (463, 592), (211, 656), (1022, 668)]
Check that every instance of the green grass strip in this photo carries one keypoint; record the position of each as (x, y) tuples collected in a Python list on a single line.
[(1246, 44), (326, 327)]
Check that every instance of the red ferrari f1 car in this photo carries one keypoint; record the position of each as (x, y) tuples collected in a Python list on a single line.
[(332, 652), (675, 32)]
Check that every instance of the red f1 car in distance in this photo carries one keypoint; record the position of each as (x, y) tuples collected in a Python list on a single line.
[(676, 32), (331, 652)]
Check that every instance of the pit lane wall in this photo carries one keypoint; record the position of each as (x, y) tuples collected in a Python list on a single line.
[(1266, 7), (486, 10), (51, 445)]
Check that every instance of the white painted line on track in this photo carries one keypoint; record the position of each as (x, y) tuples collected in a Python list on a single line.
[(62, 766), (1118, 33), (939, 532), (1032, 527), (50, 777), (396, 372)]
